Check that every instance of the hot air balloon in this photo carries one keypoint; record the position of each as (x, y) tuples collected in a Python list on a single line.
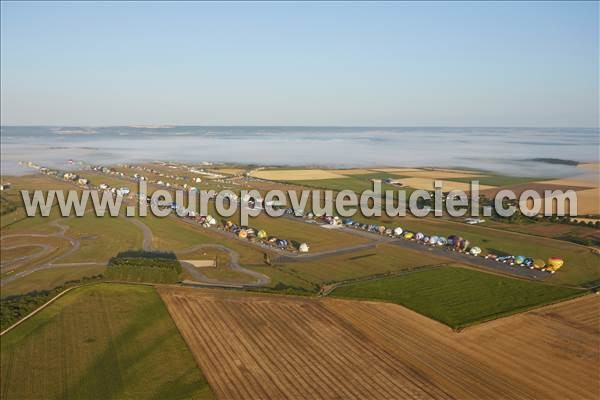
[(475, 251), (398, 231), (419, 236), (442, 241), (451, 240), (519, 260), (303, 248), (243, 234), (262, 234), (433, 239), (554, 264), (408, 235), (425, 239), (381, 229)]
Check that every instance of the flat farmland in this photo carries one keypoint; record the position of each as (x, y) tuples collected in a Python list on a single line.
[(102, 341), (459, 296), (259, 347), (253, 346)]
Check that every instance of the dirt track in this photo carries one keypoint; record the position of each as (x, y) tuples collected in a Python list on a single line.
[(252, 346), (74, 244)]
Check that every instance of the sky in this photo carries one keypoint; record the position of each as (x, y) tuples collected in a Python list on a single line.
[(317, 64)]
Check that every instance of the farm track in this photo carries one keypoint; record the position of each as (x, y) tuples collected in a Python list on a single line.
[(252, 346)]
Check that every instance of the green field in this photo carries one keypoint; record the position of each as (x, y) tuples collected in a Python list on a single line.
[(50, 278), (137, 274), (376, 261), (581, 264), (103, 341), (101, 237), (497, 180), (458, 297)]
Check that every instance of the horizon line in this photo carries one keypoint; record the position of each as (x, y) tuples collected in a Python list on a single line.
[(159, 126)]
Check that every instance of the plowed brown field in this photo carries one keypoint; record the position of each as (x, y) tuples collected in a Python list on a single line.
[(257, 347)]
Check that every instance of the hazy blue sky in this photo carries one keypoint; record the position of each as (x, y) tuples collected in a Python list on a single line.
[(376, 64)]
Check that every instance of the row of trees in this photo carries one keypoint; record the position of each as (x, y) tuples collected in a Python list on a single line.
[(13, 308)]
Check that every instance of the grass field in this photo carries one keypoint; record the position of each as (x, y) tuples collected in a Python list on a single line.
[(50, 278), (171, 234), (102, 237), (138, 274), (495, 180), (100, 342), (379, 260), (458, 297), (581, 264)]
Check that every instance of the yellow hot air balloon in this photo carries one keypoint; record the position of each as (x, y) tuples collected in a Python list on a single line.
[(554, 264), (539, 263)]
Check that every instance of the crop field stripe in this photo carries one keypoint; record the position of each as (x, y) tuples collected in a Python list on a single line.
[(291, 348), (388, 360), (361, 312), (272, 336), (277, 335), (516, 372), (317, 349), (269, 380), (225, 344), (210, 369)]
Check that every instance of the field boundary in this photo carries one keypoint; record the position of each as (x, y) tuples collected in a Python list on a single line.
[(40, 308), (484, 321), (52, 300)]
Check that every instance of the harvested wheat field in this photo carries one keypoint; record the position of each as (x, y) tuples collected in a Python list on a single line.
[(296, 174), (266, 346)]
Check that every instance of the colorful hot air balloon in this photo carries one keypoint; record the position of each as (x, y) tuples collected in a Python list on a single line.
[(451, 240), (419, 235), (262, 234), (554, 264), (539, 264), (433, 240), (519, 260), (442, 241), (243, 234), (408, 235)]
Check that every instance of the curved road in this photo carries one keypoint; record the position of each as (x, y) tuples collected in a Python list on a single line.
[(234, 257), (61, 234)]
